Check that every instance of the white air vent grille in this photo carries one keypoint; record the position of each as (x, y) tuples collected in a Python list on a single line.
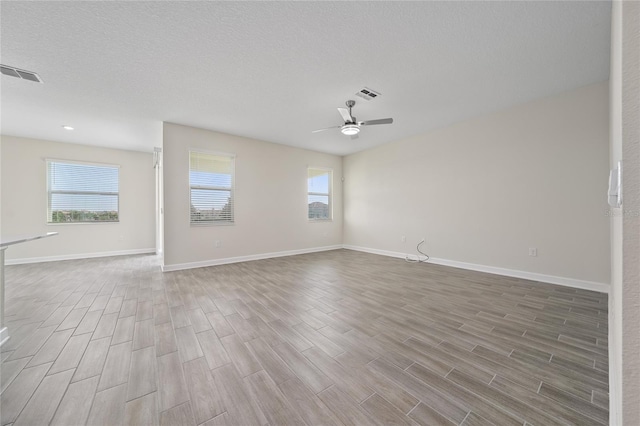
[(23, 74), (367, 93)]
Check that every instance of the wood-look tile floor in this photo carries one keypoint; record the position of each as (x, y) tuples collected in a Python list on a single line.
[(338, 337)]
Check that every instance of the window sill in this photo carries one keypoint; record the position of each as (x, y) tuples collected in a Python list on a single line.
[(104, 222), (200, 224)]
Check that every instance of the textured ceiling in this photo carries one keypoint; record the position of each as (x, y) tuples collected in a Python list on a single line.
[(277, 70)]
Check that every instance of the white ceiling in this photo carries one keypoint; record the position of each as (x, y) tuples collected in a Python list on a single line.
[(277, 70)]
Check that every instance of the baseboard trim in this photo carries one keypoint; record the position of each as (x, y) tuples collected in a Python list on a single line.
[(260, 256), (78, 256), (533, 276), (4, 336)]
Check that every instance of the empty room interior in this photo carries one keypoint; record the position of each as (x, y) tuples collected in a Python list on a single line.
[(320, 213)]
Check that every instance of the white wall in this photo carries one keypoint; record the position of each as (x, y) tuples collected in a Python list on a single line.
[(4, 332), (485, 190), (270, 200), (24, 202)]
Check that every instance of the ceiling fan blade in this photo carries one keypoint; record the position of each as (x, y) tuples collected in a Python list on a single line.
[(344, 112), (379, 121), (328, 128), (354, 137)]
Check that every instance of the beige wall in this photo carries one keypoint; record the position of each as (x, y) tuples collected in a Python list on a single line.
[(24, 201), (624, 301), (615, 155), (270, 199), (631, 212), (485, 190)]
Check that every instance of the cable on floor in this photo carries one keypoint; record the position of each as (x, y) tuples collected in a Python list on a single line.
[(418, 259)]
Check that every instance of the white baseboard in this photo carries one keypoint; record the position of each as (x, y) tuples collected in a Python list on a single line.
[(78, 256), (4, 336), (260, 256), (533, 276), (376, 251)]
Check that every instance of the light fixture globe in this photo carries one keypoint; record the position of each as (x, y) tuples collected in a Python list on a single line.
[(350, 129)]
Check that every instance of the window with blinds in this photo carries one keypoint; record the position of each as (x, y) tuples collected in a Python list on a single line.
[(81, 192), (211, 178), (319, 193)]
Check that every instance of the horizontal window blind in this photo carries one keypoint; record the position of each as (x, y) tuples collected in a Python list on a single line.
[(211, 178), (319, 193), (79, 192)]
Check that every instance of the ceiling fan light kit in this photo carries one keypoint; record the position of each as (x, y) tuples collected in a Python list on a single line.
[(351, 127)]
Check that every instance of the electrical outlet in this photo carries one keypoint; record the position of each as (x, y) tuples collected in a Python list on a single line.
[(403, 239), (218, 243), (533, 251)]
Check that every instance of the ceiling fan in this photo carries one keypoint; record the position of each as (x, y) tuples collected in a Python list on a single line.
[(351, 127)]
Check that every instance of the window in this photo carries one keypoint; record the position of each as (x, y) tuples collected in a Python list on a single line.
[(319, 193), (78, 192), (211, 179)]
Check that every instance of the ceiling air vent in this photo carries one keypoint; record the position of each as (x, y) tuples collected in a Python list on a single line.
[(23, 74), (367, 93)]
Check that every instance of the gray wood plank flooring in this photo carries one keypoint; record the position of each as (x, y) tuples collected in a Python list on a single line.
[(333, 338)]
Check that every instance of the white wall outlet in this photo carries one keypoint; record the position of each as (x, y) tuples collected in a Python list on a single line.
[(218, 243), (403, 239), (533, 251), (121, 238)]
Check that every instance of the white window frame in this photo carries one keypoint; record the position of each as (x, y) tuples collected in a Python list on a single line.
[(80, 163), (232, 189), (329, 194)]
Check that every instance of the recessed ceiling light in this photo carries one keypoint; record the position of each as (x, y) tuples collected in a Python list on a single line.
[(67, 127)]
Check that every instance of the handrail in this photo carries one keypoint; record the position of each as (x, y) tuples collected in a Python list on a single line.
[(23, 239), (4, 244)]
